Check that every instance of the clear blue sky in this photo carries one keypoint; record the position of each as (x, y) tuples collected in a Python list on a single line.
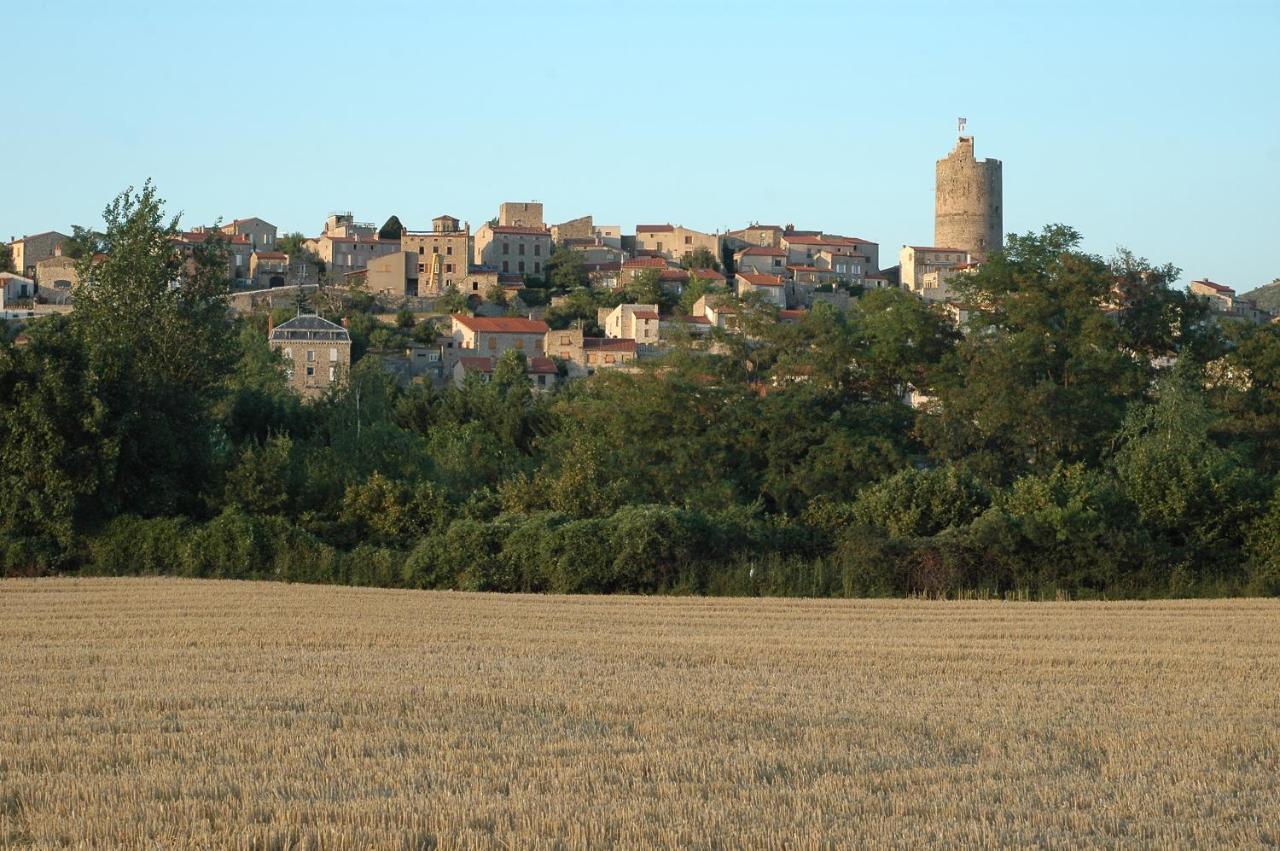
[(1150, 125)]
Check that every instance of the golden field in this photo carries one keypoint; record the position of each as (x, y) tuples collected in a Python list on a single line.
[(170, 713)]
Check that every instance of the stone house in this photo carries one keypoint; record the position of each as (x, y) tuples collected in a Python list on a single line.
[(542, 372), (30, 250), (674, 241), (638, 322), (260, 233), (803, 249), (513, 249), (443, 255), (15, 288), (493, 336), (764, 236), (57, 272), (719, 311), (916, 261), (268, 269), (771, 288), (758, 260), (316, 353), (1223, 301)]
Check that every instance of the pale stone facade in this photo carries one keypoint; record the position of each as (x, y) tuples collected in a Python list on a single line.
[(268, 269), (260, 233), (804, 249), (57, 272), (520, 214), (315, 351), (1224, 302), (760, 260), (638, 322), (444, 255), (513, 249), (493, 336), (771, 288), (15, 288), (967, 211), (916, 261), (30, 250), (675, 241)]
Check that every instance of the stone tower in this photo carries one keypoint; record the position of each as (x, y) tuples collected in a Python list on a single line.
[(968, 211)]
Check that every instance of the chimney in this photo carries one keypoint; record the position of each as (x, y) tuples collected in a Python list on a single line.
[(346, 322), (271, 325)]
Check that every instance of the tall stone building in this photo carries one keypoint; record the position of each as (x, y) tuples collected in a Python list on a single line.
[(968, 211)]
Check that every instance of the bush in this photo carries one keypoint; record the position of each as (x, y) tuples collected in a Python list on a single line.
[(129, 546)]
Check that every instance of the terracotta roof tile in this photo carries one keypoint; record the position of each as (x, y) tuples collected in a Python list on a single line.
[(501, 324)]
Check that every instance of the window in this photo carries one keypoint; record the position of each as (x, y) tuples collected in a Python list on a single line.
[(506, 248), (659, 246), (422, 267), (537, 266), (565, 341), (520, 344), (311, 355), (311, 371), (288, 353), (521, 248), (537, 250), (493, 344), (422, 249), (564, 355), (448, 267), (608, 359), (506, 266), (542, 379), (435, 249), (688, 240), (333, 356), (333, 373), (521, 266), (448, 249), (475, 285)]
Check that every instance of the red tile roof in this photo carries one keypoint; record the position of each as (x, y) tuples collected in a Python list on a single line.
[(697, 320), (792, 314), (271, 255), (501, 324), (645, 314), (1221, 288), (476, 364), (205, 236), (655, 228), (762, 280), (541, 366), (674, 275), (761, 251), (645, 262), (607, 344), (708, 274)]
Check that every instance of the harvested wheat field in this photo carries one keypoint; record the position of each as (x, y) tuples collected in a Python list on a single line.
[(188, 714)]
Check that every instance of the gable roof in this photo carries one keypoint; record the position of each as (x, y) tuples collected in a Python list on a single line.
[(761, 251), (309, 327), (667, 228), (761, 280), (501, 324)]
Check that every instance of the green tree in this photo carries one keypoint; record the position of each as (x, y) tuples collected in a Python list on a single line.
[(83, 242), (392, 229), (6, 258), (700, 258), (566, 270)]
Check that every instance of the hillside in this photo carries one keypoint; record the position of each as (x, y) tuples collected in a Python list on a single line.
[(1266, 296), (220, 714)]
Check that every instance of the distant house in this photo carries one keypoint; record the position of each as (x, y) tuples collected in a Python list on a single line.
[(758, 260), (638, 322), (316, 352), (541, 371), (917, 261), (716, 310), (673, 242), (15, 288), (513, 249), (493, 336), (1224, 302), (260, 233), (268, 269), (771, 288), (30, 250)]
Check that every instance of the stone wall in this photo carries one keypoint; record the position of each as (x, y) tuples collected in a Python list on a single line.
[(968, 212)]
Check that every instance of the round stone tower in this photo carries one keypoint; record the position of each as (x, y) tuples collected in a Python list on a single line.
[(968, 207)]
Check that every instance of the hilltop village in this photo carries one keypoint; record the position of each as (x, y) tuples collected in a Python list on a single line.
[(574, 297)]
